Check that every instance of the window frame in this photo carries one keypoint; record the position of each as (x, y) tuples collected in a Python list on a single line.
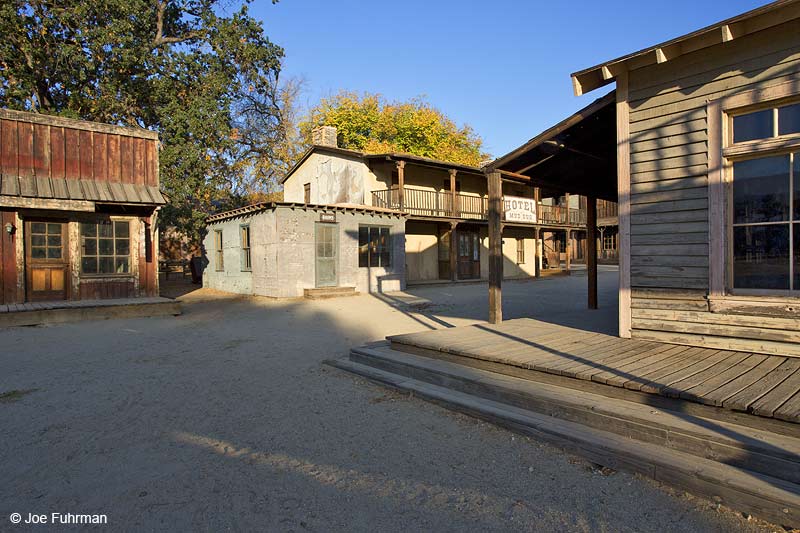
[(219, 251), (722, 154), (307, 193), (96, 222), (365, 261), (520, 250), (246, 256)]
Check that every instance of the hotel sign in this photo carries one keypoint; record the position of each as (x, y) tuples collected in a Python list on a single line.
[(517, 209)]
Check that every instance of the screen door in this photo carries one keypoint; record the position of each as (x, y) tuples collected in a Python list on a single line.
[(327, 255)]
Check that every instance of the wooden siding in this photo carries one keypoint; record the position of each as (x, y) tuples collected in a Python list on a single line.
[(43, 150), (9, 292), (669, 166)]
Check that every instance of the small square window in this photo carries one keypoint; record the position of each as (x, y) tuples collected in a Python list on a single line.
[(789, 119), (752, 126)]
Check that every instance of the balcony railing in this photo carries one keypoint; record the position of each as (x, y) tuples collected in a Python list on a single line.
[(427, 203)]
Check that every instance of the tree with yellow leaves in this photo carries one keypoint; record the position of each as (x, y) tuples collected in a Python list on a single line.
[(369, 123)]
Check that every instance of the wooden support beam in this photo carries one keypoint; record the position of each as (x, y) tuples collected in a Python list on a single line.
[(568, 251), (495, 216), (453, 206), (727, 34), (453, 251), (537, 266), (401, 184), (624, 199), (591, 250)]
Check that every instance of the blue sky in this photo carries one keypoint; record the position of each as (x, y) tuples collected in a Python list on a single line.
[(501, 66)]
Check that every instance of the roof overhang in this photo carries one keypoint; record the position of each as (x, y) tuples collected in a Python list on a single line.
[(577, 155), (752, 21)]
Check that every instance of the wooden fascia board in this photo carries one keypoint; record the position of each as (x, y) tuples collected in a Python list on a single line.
[(758, 19)]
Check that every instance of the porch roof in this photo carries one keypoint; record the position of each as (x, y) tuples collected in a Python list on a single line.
[(578, 155)]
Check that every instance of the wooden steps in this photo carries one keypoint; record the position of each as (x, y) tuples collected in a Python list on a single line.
[(745, 468), (329, 292), (35, 313)]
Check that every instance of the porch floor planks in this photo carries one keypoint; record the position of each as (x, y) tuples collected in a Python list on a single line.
[(764, 385), (742, 400)]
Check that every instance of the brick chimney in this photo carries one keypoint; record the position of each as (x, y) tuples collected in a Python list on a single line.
[(324, 136)]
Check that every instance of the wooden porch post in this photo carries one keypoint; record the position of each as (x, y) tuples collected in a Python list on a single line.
[(591, 249), (453, 251), (537, 266), (568, 247), (401, 184), (453, 207), (495, 247)]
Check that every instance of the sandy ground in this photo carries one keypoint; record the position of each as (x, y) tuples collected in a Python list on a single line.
[(224, 419)]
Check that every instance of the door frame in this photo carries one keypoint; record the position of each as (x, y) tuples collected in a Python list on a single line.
[(335, 227), (65, 255), (473, 236)]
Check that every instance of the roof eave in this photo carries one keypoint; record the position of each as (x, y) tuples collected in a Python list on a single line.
[(755, 20)]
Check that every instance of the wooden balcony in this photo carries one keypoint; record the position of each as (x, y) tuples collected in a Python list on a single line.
[(425, 203)]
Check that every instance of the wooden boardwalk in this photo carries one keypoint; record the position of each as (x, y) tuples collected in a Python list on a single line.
[(764, 385)]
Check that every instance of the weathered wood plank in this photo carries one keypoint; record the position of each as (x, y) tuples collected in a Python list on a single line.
[(722, 343), (86, 155), (72, 159), (663, 185), (671, 217), (742, 400), (669, 261), (669, 271), (665, 377), (670, 195), (41, 150), (9, 148), (719, 395), (25, 149), (57, 154), (669, 238), (654, 152), (767, 404), (670, 163), (674, 361), (671, 207), (790, 410), (676, 388), (670, 174), (669, 136), (788, 324), (664, 282), (674, 227), (683, 305)]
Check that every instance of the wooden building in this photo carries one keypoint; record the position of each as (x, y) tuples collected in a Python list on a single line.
[(700, 145), (446, 234), (78, 202)]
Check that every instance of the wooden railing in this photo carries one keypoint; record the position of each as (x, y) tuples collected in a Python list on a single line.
[(606, 209), (421, 202)]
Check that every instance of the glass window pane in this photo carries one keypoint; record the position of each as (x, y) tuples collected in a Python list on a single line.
[(90, 247), (796, 186), (796, 257), (105, 229), (789, 119), (89, 265), (121, 265), (88, 230), (54, 240), (107, 265), (54, 253), (122, 247), (38, 252), (752, 126), (106, 247), (121, 228), (38, 227), (761, 257), (54, 229), (761, 190), (37, 240)]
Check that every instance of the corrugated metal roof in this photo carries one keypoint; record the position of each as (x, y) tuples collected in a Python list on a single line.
[(87, 190)]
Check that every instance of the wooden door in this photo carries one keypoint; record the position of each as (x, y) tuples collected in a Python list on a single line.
[(46, 260), (469, 254), (327, 255)]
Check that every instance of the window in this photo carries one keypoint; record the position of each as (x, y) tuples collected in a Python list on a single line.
[(766, 123), (766, 223), (219, 256), (374, 248), (46, 241), (105, 247), (520, 251), (245, 235), (307, 193), (609, 240)]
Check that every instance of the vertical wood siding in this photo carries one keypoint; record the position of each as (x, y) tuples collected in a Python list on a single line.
[(50, 151)]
